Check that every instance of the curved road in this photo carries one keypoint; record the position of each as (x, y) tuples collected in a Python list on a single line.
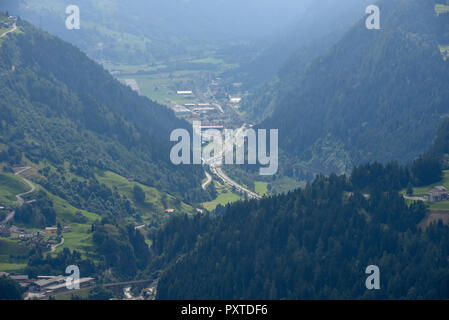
[(215, 164), (55, 246), (228, 181), (209, 180), (14, 28), (20, 200)]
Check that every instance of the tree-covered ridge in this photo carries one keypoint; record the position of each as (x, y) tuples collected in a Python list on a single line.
[(60, 107), (319, 28), (314, 243), (309, 244), (377, 95)]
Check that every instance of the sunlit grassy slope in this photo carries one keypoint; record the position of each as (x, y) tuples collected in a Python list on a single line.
[(225, 196), (10, 186), (421, 191)]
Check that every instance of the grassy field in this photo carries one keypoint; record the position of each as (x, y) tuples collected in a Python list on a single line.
[(82, 293), (155, 201), (10, 185), (9, 246), (162, 87), (67, 213), (422, 191), (12, 247), (261, 188), (224, 197), (160, 81), (10, 267), (441, 9), (119, 68), (79, 239)]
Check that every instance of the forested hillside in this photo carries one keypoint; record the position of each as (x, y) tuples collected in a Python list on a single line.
[(63, 112), (310, 244), (314, 243), (375, 95)]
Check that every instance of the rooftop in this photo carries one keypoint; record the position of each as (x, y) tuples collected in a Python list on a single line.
[(74, 282), (47, 282), (438, 189)]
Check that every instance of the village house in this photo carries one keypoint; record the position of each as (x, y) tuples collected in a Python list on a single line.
[(61, 287), (438, 194), (45, 282), (55, 284), (22, 280), (51, 230)]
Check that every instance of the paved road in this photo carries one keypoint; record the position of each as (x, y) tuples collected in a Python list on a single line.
[(55, 246), (9, 216), (228, 181), (415, 198), (20, 200), (14, 28), (209, 180), (215, 164)]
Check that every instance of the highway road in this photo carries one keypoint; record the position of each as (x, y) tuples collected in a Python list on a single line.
[(215, 164)]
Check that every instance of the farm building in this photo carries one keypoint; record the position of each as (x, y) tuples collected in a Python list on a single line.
[(438, 194)]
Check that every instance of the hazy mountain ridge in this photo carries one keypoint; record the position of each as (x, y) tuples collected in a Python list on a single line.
[(376, 95), (320, 26), (143, 31)]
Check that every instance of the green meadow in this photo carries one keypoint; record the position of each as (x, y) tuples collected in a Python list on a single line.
[(10, 186), (225, 196), (422, 191)]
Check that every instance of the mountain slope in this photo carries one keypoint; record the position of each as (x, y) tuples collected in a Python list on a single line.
[(314, 243), (61, 108), (376, 95), (321, 25)]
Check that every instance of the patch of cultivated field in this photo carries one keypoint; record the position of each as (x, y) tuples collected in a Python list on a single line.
[(155, 201), (225, 196), (261, 188), (80, 239), (10, 250), (422, 191)]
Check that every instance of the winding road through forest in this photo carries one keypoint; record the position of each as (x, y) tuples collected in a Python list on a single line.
[(14, 28), (20, 200)]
